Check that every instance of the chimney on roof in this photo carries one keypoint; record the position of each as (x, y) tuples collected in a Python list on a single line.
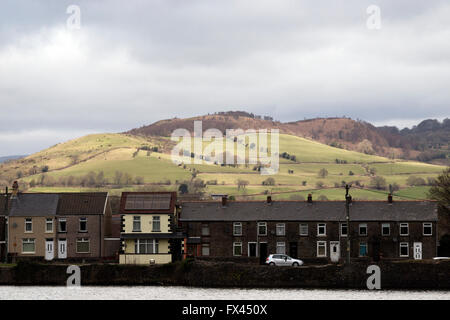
[(269, 199), (15, 190), (224, 201), (389, 198), (309, 198)]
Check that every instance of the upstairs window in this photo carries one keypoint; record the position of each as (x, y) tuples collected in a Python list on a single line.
[(49, 225), (363, 229), (281, 229), (237, 229), (83, 224), (344, 229), (404, 229), (136, 224), (303, 229), (427, 229), (62, 225), (156, 224), (321, 229), (262, 228), (28, 225), (385, 229)]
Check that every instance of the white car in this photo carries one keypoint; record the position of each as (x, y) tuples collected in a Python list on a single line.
[(283, 260)]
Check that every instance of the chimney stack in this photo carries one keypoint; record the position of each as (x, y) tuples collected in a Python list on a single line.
[(224, 201), (269, 199), (15, 190), (389, 198), (309, 198)]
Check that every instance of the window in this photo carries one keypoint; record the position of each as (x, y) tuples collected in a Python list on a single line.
[(205, 230), (262, 228), (404, 249), (363, 229), (205, 249), (237, 248), (136, 223), (49, 225), (303, 229), (321, 248), (156, 224), (281, 229), (146, 246), (427, 229), (237, 229), (281, 247), (28, 225), (83, 245), (385, 229), (62, 225), (404, 230), (321, 229), (28, 246), (344, 229), (83, 224), (363, 249)]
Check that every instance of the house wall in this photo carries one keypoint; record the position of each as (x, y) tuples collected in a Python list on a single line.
[(16, 230), (221, 238), (146, 222)]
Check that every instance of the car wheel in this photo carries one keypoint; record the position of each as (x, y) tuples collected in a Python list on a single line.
[(295, 264), (272, 264)]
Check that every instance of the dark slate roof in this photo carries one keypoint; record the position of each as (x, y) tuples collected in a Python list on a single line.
[(88, 203), (34, 205), (303, 211), (2, 205)]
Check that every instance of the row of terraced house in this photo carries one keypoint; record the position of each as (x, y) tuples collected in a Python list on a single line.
[(153, 228)]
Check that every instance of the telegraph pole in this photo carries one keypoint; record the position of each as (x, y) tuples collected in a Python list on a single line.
[(347, 209), (6, 224)]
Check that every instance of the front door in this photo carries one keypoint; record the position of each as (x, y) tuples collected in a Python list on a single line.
[(335, 251), (49, 254), (293, 250), (252, 249), (62, 249), (418, 250), (262, 252)]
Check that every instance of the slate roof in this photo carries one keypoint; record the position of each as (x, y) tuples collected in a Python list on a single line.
[(303, 211), (2, 205), (89, 203), (147, 202), (34, 205)]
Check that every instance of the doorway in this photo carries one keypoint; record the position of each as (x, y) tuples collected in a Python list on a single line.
[(49, 253), (252, 249), (418, 250), (335, 251), (62, 249), (293, 253), (262, 252)]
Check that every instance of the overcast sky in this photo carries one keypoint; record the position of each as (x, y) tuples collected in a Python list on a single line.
[(135, 62)]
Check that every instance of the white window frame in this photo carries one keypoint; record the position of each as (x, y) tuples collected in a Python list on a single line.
[(324, 234), (156, 220), (205, 230), (404, 244), (383, 225), (207, 247), (281, 244), (283, 226), (83, 240), (153, 242), (300, 229), (340, 229), (237, 225), (400, 229), (262, 224), (423, 228), (324, 243), (137, 220), (29, 241), (85, 220), (237, 245), (363, 225), (28, 221), (47, 222), (59, 224)]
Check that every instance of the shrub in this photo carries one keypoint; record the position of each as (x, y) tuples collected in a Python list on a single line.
[(378, 183)]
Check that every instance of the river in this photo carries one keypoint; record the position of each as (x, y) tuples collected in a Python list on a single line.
[(189, 293)]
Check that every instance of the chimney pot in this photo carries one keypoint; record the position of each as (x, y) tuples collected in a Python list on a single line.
[(309, 198), (269, 199), (390, 198)]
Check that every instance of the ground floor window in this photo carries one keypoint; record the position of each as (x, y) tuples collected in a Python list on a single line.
[(281, 247), (404, 249), (321, 248), (363, 249), (28, 246), (205, 249), (83, 245), (237, 248), (146, 246)]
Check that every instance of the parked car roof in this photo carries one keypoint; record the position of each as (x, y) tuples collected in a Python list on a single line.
[(304, 211)]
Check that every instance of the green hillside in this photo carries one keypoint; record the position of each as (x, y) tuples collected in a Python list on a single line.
[(147, 162)]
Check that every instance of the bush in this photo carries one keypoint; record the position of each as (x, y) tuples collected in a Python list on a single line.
[(378, 183), (269, 182), (319, 184), (323, 173), (322, 197), (415, 181)]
